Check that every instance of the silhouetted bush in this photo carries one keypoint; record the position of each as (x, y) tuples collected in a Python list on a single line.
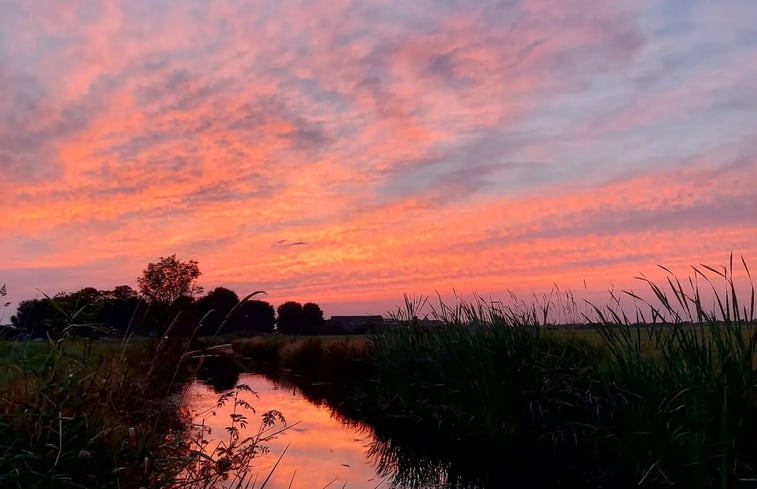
[(254, 317), (290, 318)]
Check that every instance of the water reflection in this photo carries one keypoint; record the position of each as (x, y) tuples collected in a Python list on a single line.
[(411, 461), (410, 457), (407, 468), (219, 372), (322, 451), (329, 450)]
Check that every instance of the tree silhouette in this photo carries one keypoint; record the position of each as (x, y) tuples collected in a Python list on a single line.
[(122, 293), (254, 317), (312, 318), (123, 310), (182, 312), (50, 316), (169, 279), (290, 317), (221, 301)]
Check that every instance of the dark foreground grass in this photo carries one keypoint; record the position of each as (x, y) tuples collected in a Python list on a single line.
[(76, 413), (495, 397)]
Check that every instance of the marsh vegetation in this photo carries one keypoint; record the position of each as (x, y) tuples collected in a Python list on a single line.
[(660, 394), (651, 390)]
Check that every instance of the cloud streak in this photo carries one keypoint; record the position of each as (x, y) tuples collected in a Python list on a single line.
[(412, 147)]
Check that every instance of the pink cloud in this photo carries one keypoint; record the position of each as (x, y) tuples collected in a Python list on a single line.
[(412, 147)]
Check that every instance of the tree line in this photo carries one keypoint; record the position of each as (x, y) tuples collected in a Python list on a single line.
[(167, 296)]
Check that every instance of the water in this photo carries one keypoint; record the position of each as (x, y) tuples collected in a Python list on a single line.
[(323, 451)]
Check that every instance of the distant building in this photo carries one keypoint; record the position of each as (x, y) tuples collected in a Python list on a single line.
[(431, 323), (356, 324), (423, 323)]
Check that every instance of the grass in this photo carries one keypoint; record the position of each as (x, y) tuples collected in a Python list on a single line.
[(77, 413), (269, 353), (30, 356), (691, 407), (662, 393), (67, 410)]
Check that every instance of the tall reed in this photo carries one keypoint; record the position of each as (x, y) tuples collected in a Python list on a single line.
[(80, 413), (661, 392), (686, 374)]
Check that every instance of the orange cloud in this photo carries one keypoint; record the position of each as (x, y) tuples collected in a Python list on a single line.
[(414, 147)]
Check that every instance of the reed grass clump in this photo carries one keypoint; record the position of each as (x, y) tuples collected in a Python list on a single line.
[(661, 391), (80, 413), (263, 352), (523, 395), (73, 414), (686, 374)]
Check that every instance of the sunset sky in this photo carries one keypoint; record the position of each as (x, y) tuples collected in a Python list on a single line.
[(346, 151)]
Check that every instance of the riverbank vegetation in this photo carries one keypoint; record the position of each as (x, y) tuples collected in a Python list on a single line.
[(78, 411), (74, 413), (661, 394), (652, 390)]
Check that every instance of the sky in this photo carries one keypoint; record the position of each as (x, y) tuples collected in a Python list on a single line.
[(347, 152)]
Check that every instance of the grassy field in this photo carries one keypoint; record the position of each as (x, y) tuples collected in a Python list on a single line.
[(70, 411), (17, 356), (599, 408)]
